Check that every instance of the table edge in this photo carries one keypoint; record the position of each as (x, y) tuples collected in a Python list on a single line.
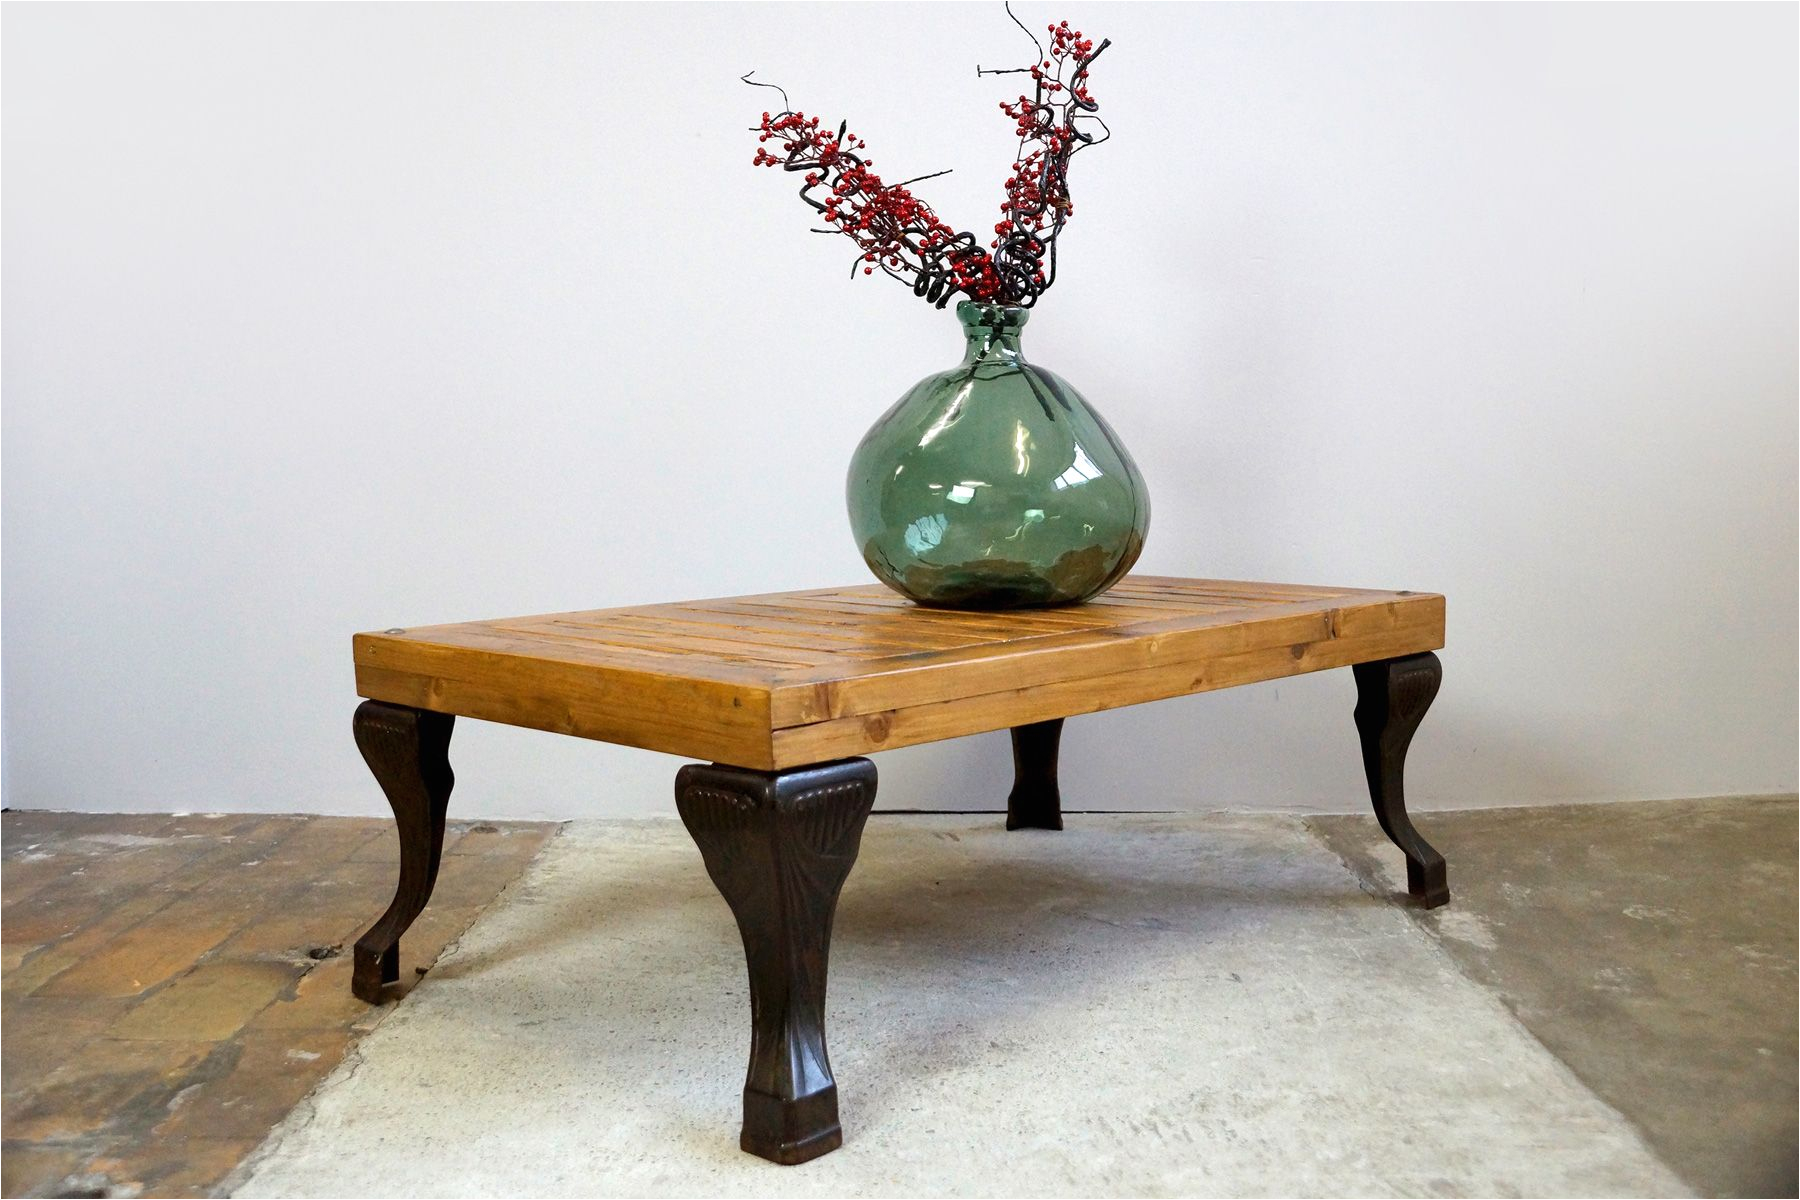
[(779, 718)]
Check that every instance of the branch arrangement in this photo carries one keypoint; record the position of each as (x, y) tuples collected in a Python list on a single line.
[(898, 234)]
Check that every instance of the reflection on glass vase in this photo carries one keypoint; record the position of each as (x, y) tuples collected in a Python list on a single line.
[(995, 485)]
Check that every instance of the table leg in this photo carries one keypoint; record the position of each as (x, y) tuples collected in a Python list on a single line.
[(779, 845), (408, 750), (1391, 699), (1035, 802)]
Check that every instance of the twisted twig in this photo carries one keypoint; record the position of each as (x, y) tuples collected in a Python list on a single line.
[(899, 234)]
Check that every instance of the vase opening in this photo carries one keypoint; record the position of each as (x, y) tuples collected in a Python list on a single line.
[(991, 330)]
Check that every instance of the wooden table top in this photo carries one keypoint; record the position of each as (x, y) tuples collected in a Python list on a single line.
[(791, 678)]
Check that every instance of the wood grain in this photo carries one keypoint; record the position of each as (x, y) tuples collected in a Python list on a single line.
[(785, 679)]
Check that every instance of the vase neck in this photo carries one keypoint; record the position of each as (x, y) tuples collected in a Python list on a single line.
[(991, 331)]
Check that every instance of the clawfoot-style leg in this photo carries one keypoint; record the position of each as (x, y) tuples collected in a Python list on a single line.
[(779, 846), (1035, 802), (408, 750), (1391, 699)]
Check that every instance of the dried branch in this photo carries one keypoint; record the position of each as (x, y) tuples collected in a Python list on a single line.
[(900, 235)]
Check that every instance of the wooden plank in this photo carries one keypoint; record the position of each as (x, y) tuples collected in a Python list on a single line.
[(804, 698), (907, 635), (890, 602), (775, 635), (602, 613), (1087, 616), (769, 680), (892, 729), (691, 644), (1244, 587), (1226, 599), (973, 626), (1169, 605), (483, 636), (507, 704), (1370, 617), (713, 719), (801, 698), (968, 631)]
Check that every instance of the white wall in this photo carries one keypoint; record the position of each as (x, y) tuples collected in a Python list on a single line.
[(328, 318)]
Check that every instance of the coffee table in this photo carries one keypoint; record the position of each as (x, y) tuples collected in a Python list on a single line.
[(783, 694)]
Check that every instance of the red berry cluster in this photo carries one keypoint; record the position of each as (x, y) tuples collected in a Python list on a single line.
[(896, 230), (899, 234), (1037, 192)]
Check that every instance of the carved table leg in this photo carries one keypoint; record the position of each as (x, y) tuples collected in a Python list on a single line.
[(408, 750), (1035, 802), (779, 846), (1391, 699)]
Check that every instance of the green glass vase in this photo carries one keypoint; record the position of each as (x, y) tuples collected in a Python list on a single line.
[(994, 484)]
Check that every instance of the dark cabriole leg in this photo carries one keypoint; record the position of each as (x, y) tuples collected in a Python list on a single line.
[(1035, 802), (1391, 699), (408, 750), (779, 846)]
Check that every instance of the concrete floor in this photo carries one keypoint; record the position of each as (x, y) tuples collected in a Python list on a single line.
[(1137, 1006), (1649, 946)]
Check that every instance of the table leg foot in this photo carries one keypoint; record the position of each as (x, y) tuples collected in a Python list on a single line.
[(1035, 802), (408, 751), (1391, 699), (791, 1132), (779, 846)]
